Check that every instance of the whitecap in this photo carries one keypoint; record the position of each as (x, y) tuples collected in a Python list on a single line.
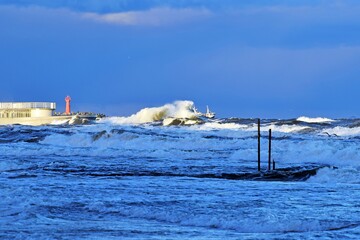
[(314, 120), (177, 109)]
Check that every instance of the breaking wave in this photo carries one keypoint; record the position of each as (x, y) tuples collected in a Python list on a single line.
[(209, 126), (348, 174), (315, 120), (286, 128), (177, 109), (342, 131)]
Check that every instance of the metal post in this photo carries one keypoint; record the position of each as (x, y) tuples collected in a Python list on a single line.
[(269, 165), (273, 164), (258, 144)]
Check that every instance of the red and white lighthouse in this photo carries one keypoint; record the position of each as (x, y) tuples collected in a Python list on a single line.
[(67, 108)]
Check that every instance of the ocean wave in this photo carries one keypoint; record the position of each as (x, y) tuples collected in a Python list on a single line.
[(348, 174), (178, 109), (314, 120), (208, 126), (271, 222), (342, 131), (286, 128)]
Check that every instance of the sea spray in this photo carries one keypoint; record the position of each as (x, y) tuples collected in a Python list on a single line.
[(177, 109)]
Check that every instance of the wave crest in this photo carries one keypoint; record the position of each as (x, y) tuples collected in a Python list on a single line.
[(314, 120), (177, 109)]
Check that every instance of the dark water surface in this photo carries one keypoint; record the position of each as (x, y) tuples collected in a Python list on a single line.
[(114, 181)]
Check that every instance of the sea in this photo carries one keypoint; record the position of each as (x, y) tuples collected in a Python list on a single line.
[(134, 178)]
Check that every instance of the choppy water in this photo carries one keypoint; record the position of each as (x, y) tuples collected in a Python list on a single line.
[(114, 181)]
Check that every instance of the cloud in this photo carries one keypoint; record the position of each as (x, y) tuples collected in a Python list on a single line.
[(152, 17), (161, 16)]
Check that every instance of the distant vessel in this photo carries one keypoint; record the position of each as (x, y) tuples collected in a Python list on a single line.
[(208, 113), (40, 113)]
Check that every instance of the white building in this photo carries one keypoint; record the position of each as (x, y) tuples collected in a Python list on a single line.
[(26, 109)]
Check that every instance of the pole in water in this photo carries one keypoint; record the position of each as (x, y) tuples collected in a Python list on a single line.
[(273, 164), (258, 144), (269, 165)]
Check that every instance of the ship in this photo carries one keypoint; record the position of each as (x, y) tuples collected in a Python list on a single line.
[(208, 113), (41, 113)]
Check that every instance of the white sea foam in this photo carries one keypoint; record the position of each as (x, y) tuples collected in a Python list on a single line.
[(252, 127), (208, 126), (160, 142), (286, 128), (280, 128), (60, 122), (342, 131), (314, 120), (75, 140), (318, 151), (178, 109), (349, 174)]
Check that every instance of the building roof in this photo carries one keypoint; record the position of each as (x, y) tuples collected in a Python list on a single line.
[(27, 105)]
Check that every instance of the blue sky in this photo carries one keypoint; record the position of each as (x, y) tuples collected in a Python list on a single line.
[(274, 59)]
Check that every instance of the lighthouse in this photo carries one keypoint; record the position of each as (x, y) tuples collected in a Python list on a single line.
[(67, 109)]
